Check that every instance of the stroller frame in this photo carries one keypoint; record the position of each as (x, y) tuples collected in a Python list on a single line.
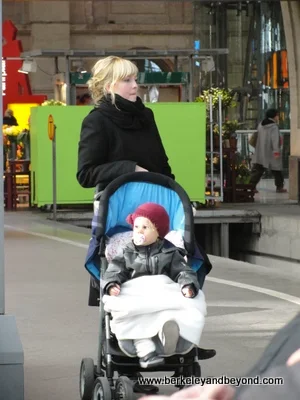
[(97, 382)]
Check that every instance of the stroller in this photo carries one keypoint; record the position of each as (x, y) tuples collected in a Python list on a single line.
[(120, 198)]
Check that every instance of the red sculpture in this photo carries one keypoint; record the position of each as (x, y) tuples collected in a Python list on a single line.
[(15, 85)]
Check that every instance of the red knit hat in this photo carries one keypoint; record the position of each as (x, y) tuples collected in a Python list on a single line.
[(155, 213)]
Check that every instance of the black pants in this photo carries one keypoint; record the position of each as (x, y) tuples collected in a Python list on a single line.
[(257, 173), (94, 293)]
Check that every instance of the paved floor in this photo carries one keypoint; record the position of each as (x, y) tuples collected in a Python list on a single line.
[(47, 288), (267, 193), (268, 202)]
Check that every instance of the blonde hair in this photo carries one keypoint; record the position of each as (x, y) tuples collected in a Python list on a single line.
[(107, 72)]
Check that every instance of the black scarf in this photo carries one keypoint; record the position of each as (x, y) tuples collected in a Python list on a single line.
[(124, 113), (268, 121)]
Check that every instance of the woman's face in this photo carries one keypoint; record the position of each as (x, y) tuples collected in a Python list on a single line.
[(127, 88)]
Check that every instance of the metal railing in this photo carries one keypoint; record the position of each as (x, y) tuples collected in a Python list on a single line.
[(211, 152)]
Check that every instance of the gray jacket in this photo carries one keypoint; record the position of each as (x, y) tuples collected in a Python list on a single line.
[(160, 258), (268, 142)]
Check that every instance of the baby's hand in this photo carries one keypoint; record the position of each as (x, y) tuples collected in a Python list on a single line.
[(114, 290), (187, 291)]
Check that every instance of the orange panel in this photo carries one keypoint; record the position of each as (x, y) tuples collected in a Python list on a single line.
[(284, 68), (274, 71)]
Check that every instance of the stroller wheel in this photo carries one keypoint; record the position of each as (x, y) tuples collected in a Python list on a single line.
[(86, 379), (102, 389), (124, 389)]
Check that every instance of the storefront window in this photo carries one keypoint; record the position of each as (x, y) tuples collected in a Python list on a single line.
[(151, 66), (257, 64)]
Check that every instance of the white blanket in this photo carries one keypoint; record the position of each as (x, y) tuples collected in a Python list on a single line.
[(146, 303)]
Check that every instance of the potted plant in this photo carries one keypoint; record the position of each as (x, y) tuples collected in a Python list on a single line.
[(243, 174), (24, 142), (10, 138), (53, 102), (229, 128), (228, 97)]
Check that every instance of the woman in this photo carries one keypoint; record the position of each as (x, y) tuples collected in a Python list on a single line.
[(268, 151), (120, 134)]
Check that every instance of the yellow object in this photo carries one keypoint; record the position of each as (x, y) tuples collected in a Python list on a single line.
[(11, 130), (51, 127), (22, 112), (21, 180)]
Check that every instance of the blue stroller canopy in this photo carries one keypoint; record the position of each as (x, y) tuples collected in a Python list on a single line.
[(128, 197), (123, 196)]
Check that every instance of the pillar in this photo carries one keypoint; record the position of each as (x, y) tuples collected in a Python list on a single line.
[(50, 29), (291, 20)]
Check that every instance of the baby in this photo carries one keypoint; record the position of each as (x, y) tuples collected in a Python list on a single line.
[(149, 254)]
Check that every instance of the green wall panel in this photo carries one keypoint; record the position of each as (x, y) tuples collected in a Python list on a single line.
[(182, 128)]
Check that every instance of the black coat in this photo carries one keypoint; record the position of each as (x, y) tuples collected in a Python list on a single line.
[(160, 258), (10, 121), (116, 138)]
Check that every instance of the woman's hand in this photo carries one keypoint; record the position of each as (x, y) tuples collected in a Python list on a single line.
[(140, 169), (114, 290)]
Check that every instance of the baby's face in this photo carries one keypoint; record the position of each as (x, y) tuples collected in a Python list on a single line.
[(144, 232)]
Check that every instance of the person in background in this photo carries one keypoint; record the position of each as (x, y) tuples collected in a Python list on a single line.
[(78, 100), (84, 100), (268, 151), (9, 118)]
